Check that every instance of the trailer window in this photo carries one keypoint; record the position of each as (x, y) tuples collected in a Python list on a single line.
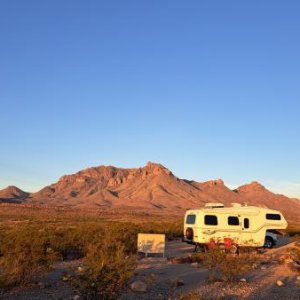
[(273, 217), (233, 221), (190, 219), (246, 223), (210, 220)]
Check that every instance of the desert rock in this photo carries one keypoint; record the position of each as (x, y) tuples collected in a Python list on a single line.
[(138, 286)]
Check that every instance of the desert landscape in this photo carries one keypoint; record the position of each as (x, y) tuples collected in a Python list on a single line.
[(149, 150), (151, 188), (77, 239)]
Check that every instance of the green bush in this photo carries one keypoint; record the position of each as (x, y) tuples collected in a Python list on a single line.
[(107, 269)]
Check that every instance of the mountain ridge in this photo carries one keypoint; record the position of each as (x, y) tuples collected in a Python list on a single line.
[(152, 187)]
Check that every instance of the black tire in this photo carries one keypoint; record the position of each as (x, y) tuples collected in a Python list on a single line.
[(269, 242)]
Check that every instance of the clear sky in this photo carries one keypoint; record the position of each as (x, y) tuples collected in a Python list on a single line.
[(210, 89)]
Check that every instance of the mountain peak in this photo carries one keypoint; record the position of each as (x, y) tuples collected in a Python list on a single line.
[(12, 192), (253, 186), (11, 188), (217, 182), (156, 168)]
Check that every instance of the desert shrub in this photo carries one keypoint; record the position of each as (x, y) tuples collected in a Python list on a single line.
[(24, 253), (125, 233), (225, 266), (76, 239), (28, 248), (107, 269), (295, 251), (71, 242), (172, 229), (198, 257)]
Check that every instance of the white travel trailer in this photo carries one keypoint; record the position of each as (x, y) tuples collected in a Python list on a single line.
[(233, 227)]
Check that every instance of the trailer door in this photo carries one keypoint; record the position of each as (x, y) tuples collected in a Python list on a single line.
[(246, 232)]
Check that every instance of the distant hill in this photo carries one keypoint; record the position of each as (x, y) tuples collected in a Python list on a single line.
[(12, 194), (152, 187)]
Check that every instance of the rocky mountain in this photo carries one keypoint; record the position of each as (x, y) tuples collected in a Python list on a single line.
[(12, 194), (152, 187), (256, 194)]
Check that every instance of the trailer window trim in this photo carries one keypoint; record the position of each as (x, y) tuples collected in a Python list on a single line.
[(276, 217), (190, 219), (233, 221), (211, 220)]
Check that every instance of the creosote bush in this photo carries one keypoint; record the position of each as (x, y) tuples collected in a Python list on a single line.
[(23, 254), (107, 269), (225, 266)]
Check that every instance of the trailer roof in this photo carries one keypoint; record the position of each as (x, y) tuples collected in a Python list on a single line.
[(234, 209)]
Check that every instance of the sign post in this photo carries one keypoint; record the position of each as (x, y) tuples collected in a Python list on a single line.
[(152, 244)]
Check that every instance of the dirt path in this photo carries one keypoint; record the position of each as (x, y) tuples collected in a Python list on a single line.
[(163, 277)]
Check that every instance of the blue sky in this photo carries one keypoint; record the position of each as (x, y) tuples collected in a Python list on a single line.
[(210, 89)]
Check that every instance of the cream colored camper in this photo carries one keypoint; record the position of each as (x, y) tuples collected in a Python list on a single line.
[(232, 226)]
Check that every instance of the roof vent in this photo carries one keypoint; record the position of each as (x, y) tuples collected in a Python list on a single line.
[(214, 205)]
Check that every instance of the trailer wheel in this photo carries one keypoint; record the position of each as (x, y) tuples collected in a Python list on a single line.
[(269, 243)]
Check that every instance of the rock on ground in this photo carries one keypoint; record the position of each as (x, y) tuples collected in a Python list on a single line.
[(138, 286)]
